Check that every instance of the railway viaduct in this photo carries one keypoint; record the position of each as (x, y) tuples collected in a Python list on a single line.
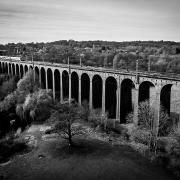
[(113, 91)]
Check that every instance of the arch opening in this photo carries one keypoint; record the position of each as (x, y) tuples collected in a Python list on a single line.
[(147, 92), (30, 67), (165, 98), (65, 82), (49, 79), (21, 70), (17, 70), (74, 86), (3, 68), (97, 91), (13, 69), (6, 68), (36, 71), (57, 84), (26, 68), (0, 67), (10, 66), (43, 78), (85, 85), (126, 101), (110, 97)]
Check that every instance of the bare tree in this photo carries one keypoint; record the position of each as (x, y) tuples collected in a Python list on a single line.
[(146, 119), (68, 122)]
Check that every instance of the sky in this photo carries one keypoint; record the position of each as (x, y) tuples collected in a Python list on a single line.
[(111, 20)]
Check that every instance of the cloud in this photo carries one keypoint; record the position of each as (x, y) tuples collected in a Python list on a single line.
[(45, 20)]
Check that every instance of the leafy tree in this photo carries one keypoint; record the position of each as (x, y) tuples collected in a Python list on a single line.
[(28, 84), (37, 104), (7, 87)]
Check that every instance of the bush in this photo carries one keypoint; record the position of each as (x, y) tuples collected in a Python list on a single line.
[(96, 118), (141, 136), (37, 105), (10, 146), (27, 85), (84, 110), (7, 87), (169, 151), (8, 102), (13, 102)]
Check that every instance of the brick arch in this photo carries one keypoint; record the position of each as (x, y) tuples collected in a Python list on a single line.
[(147, 91), (13, 69), (50, 78), (110, 96), (43, 77), (17, 70), (6, 67), (126, 98), (65, 84), (165, 97), (85, 87), (25, 68), (97, 84), (57, 76), (75, 85), (21, 70), (0, 67), (10, 68)]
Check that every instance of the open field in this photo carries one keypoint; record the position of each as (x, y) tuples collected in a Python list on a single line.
[(89, 159)]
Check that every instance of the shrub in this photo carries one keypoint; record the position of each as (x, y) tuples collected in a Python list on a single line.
[(146, 118), (169, 151), (8, 102), (7, 87), (85, 110), (95, 117), (145, 132), (28, 84), (10, 146), (38, 104), (141, 136)]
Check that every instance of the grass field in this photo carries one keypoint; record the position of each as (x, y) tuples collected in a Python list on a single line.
[(90, 159)]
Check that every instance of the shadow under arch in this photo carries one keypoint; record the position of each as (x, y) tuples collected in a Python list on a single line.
[(36, 71), (17, 70), (6, 68), (165, 98), (147, 92), (65, 84), (13, 69), (21, 71), (10, 68), (43, 78), (57, 84), (49, 79), (126, 99), (85, 87), (0, 68), (74, 86), (97, 91), (2, 65), (26, 69), (110, 96)]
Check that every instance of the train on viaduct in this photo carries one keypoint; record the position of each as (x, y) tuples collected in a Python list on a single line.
[(115, 92)]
